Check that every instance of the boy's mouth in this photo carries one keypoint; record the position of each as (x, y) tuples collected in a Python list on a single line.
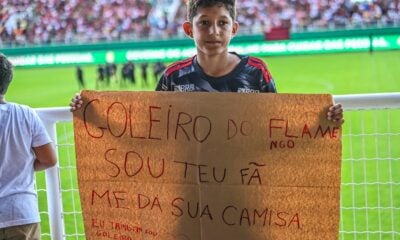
[(212, 42)]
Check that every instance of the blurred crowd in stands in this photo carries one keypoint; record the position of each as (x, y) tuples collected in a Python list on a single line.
[(25, 22), (312, 15)]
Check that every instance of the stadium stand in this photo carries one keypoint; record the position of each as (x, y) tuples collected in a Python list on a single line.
[(24, 22), (310, 15)]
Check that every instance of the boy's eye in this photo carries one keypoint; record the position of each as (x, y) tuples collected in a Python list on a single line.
[(222, 23), (204, 22), (207, 23)]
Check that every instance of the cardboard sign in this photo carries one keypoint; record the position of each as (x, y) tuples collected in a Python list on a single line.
[(191, 166)]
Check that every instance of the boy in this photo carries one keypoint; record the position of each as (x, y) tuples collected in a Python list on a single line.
[(25, 147), (211, 24)]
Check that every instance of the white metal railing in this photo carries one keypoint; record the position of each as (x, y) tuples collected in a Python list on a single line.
[(52, 116), (369, 101)]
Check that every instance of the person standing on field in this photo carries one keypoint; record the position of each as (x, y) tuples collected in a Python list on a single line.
[(144, 66), (25, 147), (79, 77)]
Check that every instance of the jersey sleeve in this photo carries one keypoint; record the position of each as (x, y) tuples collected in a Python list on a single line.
[(268, 86), (266, 82)]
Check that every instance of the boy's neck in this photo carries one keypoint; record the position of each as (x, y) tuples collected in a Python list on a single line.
[(218, 65), (2, 99)]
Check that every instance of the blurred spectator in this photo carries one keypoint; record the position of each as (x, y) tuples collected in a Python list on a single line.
[(76, 21)]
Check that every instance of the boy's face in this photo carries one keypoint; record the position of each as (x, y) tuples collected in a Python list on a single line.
[(212, 29)]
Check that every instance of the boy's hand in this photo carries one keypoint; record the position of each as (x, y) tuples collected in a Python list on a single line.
[(335, 113), (76, 102)]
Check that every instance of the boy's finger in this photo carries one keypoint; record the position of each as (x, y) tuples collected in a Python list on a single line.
[(336, 106), (76, 101), (337, 116), (337, 111), (341, 121)]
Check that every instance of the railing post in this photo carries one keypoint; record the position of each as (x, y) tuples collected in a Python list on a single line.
[(53, 187), (53, 183)]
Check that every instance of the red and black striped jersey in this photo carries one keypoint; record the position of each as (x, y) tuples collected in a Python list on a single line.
[(251, 75)]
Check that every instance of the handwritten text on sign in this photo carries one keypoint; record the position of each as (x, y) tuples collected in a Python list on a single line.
[(207, 166)]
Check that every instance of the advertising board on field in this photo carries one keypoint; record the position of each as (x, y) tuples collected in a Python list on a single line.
[(170, 54)]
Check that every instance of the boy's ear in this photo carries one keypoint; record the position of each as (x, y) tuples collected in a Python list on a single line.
[(235, 28), (187, 27)]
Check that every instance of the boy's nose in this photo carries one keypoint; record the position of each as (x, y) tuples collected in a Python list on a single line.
[(214, 30)]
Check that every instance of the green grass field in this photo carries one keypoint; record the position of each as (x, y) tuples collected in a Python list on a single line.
[(330, 73), (371, 139)]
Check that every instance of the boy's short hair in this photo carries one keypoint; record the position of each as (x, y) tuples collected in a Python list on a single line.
[(6, 74), (194, 5)]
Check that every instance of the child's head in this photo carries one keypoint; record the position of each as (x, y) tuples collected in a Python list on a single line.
[(194, 5), (6, 74), (211, 24)]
